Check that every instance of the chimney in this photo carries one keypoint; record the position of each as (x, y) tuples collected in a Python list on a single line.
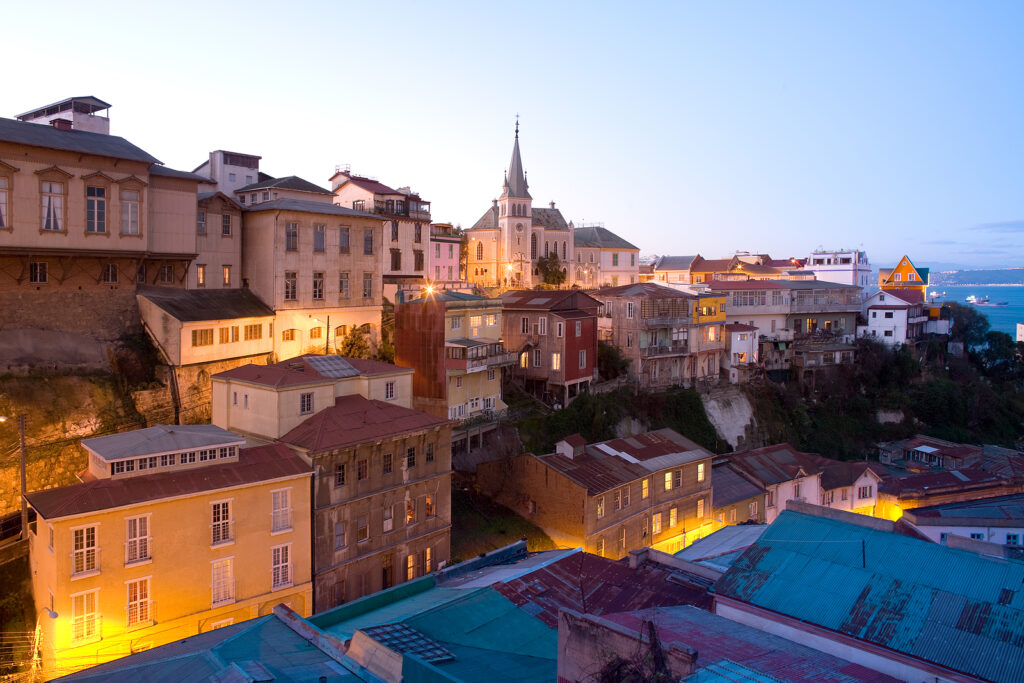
[(552, 205), (61, 124), (494, 203)]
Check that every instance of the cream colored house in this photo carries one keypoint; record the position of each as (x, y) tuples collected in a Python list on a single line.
[(317, 265), (406, 233), (603, 259), (218, 262), (266, 401), (174, 531)]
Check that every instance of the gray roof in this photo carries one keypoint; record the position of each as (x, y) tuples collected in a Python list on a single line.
[(191, 305), (160, 439), (45, 135), (489, 220), (674, 262), (307, 206), (91, 101), (157, 169), (601, 238), (729, 487), (999, 511), (291, 182), (549, 218), (720, 549)]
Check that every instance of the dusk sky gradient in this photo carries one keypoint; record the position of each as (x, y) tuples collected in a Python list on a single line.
[(684, 127)]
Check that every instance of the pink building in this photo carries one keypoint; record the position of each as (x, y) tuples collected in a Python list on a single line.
[(443, 267)]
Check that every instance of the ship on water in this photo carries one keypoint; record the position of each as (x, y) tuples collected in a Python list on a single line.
[(984, 301)]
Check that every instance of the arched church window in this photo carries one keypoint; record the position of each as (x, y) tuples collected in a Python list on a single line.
[(564, 257), (533, 246), (479, 251)]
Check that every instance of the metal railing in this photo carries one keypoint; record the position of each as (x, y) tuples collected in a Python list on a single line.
[(673, 350), (140, 613), (225, 596), (85, 561), (222, 532), (281, 520)]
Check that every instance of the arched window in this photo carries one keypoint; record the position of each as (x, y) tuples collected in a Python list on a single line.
[(547, 252), (564, 247), (479, 251), (533, 246)]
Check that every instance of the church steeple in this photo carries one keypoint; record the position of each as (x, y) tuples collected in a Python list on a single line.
[(515, 183)]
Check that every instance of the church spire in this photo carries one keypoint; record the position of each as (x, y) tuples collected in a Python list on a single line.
[(516, 178)]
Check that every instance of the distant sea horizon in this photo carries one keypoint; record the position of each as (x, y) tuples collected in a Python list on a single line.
[(1000, 318)]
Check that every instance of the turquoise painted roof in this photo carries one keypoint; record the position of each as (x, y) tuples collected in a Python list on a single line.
[(955, 608)]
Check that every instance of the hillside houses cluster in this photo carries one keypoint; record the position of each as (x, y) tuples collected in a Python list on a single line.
[(316, 507)]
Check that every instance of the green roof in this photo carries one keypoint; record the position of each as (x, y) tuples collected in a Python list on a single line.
[(948, 606)]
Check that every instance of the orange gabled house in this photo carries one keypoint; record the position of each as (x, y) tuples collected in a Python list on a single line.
[(904, 276)]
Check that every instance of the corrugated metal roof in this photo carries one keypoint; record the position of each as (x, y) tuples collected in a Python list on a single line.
[(160, 439), (952, 607), (45, 135), (291, 182), (193, 305), (307, 206), (600, 238)]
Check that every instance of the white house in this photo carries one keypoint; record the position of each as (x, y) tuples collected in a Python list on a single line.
[(845, 266), (994, 520), (741, 351), (850, 486), (783, 472), (893, 318)]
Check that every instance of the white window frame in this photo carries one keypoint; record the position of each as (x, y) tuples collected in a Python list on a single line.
[(389, 391), (281, 510), (281, 566), (225, 593), (138, 547), (89, 554), (138, 611), (222, 530), (583, 359), (306, 403), (86, 626)]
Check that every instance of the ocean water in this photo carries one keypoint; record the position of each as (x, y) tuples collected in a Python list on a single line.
[(1000, 318)]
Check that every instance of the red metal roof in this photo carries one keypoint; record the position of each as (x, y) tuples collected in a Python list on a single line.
[(371, 185), (775, 464), (596, 585), (744, 284), (740, 327), (262, 463), (298, 370), (354, 419)]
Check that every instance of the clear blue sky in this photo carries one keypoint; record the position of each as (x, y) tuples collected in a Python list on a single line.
[(685, 127)]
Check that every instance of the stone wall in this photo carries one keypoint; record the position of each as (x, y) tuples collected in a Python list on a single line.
[(194, 387), (103, 314)]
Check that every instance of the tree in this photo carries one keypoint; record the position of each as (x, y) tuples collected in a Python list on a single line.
[(610, 361), (355, 343), (551, 270), (969, 325)]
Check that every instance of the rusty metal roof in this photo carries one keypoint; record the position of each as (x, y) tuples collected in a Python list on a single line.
[(775, 464), (951, 607)]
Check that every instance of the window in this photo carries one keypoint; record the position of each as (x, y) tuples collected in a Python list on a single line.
[(200, 275), (225, 225), (700, 471), (1013, 539), (368, 241), (339, 474), (316, 333), (318, 286), (600, 507), (732, 515), (362, 469), (428, 507), (109, 275), (864, 492), (700, 508), (290, 288), (388, 517), (281, 566), (358, 205), (84, 554), (599, 547), (223, 581), (362, 529), (202, 337), (430, 452), (85, 620), (394, 231), (645, 488), (95, 210), (673, 517), (579, 328), (656, 523), (138, 602), (427, 559), (456, 323), (386, 463), (796, 490), (3, 203), (389, 391), (888, 314), (410, 511), (524, 325), (288, 335), (136, 547), (770, 499), (559, 328), (129, 212), (480, 251), (367, 285), (220, 527), (615, 259), (625, 497), (166, 274), (226, 273), (583, 359), (536, 358), (281, 510), (291, 237), (339, 535), (343, 290), (410, 458), (556, 361), (491, 375), (53, 206), (524, 359), (753, 509), (616, 500), (417, 259), (343, 236), (37, 272), (396, 259), (629, 309), (977, 537), (319, 237), (668, 481), (410, 567)]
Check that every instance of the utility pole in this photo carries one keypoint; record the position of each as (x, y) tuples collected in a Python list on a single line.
[(327, 345), (24, 504)]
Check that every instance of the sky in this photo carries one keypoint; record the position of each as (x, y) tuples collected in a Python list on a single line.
[(684, 127)]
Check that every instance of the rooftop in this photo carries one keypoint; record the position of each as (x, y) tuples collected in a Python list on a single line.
[(254, 465), (775, 464), (546, 300), (728, 487), (952, 607), (720, 549), (674, 262), (291, 182), (46, 136), (649, 289), (309, 369), (87, 104), (307, 206), (600, 238), (355, 419), (997, 511), (160, 439), (192, 305)]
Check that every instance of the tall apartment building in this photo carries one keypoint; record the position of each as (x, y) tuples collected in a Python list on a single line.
[(381, 494), (406, 217), (174, 531), (444, 257), (454, 342), (845, 266), (648, 490), (603, 259)]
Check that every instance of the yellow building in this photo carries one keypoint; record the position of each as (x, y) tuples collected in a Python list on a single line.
[(904, 276), (174, 531)]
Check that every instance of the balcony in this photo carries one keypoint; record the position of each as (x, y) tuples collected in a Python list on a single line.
[(504, 358), (659, 351), (222, 533), (415, 211), (825, 306), (666, 321), (85, 562), (139, 614), (783, 335), (475, 358)]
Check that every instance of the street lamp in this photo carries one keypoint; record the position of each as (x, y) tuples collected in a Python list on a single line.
[(24, 504)]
